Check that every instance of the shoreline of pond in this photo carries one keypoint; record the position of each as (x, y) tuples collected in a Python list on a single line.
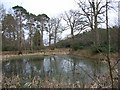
[(101, 56), (46, 53), (83, 53)]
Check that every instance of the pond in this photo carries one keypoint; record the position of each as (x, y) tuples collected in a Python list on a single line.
[(68, 67)]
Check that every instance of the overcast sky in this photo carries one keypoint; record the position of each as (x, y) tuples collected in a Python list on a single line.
[(49, 7)]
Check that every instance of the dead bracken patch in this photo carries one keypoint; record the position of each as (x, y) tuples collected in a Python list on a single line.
[(16, 82)]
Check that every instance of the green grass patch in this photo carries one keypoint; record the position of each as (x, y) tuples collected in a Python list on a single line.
[(25, 56), (46, 55)]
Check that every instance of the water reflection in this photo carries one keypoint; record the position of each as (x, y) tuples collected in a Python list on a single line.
[(63, 66)]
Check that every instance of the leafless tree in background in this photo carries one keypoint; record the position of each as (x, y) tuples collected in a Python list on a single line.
[(93, 11), (50, 30), (57, 29)]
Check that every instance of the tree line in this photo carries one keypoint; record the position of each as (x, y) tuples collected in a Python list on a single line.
[(16, 26), (21, 23)]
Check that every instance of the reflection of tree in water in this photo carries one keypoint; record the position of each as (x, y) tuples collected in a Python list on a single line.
[(74, 65), (23, 67), (93, 68), (65, 67), (52, 67), (13, 67)]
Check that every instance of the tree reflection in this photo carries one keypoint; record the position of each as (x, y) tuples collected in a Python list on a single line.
[(65, 67)]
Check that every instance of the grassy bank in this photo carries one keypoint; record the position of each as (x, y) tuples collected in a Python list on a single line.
[(10, 55), (16, 57), (98, 56), (83, 52)]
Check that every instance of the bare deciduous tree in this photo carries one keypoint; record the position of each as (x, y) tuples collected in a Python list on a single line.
[(50, 30), (75, 22), (72, 19), (54, 29), (93, 10)]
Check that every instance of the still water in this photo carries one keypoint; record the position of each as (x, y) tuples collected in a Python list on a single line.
[(67, 67)]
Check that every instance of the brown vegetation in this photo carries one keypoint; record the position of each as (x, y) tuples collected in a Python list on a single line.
[(37, 82)]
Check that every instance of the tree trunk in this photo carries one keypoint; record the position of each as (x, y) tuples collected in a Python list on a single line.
[(92, 27), (55, 38), (20, 36), (95, 28), (72, 33), (95, 24), (49, 40), (108, 48), (119, 54), (96, 31), (30, 27), (119, 44), (42, 45)]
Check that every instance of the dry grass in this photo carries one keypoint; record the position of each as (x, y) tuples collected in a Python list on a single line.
[(37, 82), (100, 56)]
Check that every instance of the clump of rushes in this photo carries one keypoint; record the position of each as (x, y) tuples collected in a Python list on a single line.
[(37, 82), (14, 82)]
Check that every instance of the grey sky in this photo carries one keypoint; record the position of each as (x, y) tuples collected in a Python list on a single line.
[(49, 7)]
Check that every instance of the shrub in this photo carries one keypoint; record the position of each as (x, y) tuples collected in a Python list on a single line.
[(9, 48), (99, 49), (103, 49), (76, 46), (113, 49)]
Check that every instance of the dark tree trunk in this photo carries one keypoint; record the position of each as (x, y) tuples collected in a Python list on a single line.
[(108, 48), (55, 38), (119, 44), (49, 40), (72, 32), (42, 45), (96, 32), (30, 35)]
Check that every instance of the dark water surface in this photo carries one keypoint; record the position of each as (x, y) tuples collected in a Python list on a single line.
[(69, 67)]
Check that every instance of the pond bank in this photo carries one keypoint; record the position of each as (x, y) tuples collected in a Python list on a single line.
[(100, 56), (84, 53), (42, 53)]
